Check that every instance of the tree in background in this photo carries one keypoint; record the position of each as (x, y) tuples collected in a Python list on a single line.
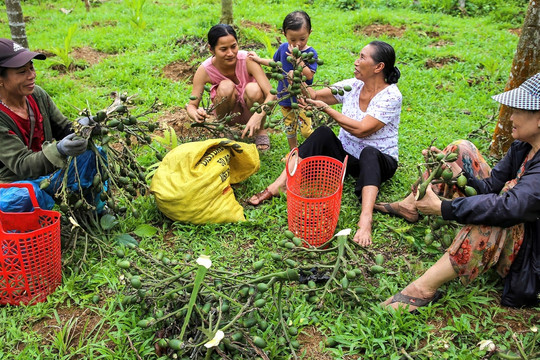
[(16, 22), (525, 64), (226, 12)]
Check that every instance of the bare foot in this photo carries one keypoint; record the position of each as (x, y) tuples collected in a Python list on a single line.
[(363, 237), (363, 234)]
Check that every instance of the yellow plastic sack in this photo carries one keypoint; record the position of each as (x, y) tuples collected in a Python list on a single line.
[(193, 182)]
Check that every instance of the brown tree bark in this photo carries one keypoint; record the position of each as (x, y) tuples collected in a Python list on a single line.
[(16, 22), (525, 64), (226, 12)]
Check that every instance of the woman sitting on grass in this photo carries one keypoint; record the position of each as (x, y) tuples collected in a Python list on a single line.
[(369, 130), (504, 225), (237, 83), (36, 140)]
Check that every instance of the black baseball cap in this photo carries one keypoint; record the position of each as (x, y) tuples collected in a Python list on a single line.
[(13, 55)]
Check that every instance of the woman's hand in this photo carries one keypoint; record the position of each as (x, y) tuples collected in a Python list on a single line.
[(253, 125), (197, 114), (430, 204), (456, 169), (317, 103)]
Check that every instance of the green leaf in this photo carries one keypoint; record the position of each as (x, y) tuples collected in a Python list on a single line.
[(145, 230), (126, 240), (108, 221)]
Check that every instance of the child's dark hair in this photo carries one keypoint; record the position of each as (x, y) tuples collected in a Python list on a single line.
[(297, 20), (218, 31), (385, 53)]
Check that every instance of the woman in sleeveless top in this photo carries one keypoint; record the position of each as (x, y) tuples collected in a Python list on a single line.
[(236, 84)]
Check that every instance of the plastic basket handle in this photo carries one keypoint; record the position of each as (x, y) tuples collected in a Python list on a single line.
[(293, 156), (344, 169), (26, 186)]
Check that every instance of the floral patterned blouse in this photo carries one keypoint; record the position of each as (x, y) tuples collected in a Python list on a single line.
[(385, 107)]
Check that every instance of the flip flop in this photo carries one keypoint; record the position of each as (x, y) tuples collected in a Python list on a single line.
[(261, 197), (414, 301), (262, 142), (386, 208)]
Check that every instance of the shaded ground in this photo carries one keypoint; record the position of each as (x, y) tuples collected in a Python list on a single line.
[(82, 58), (199, 45), (310, 338), (376, 30), (72, 326), (260, 26), (88, 55), (100, 24), (441, 43), (440, 62), (178, 119), (179, 71)]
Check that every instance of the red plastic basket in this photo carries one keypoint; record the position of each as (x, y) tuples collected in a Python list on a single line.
[(30, 254), (314, 187)]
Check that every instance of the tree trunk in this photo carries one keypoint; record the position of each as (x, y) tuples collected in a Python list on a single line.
[(526, 63), (226, 12), (16, 22)]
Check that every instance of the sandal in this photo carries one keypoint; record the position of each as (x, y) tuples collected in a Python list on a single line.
[(414, 301), (262, 142), (388, 208), (261, 197)]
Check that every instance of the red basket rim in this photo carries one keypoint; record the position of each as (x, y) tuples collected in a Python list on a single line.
[(50, 213), (316, 158), (35, 204)]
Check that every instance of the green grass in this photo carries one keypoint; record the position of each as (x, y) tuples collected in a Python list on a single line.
[(443, 103)]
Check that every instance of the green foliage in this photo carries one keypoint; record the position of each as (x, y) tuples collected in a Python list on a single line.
[(64, 53), (511, 12), (451, 62), (347, 4), (136, 12)]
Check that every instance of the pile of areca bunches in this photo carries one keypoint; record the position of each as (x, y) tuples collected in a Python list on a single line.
[(197, 309), (113, 136), (438, 172)]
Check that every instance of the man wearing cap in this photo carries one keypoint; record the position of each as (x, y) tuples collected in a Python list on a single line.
[(502, 222), (35, 138)]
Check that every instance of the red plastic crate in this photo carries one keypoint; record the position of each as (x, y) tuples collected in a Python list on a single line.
[(30, 253), (314, 188)]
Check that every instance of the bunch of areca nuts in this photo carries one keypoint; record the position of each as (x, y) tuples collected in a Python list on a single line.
[(114, 135), (439, 172)]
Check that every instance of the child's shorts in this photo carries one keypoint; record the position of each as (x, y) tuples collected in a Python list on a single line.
[(293, 118)]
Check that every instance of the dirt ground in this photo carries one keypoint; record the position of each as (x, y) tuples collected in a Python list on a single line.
[(376, 30)]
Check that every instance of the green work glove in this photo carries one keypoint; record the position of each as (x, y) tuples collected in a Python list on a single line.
[(72, 145)]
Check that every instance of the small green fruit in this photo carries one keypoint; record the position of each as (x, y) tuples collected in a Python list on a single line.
[(259, 342), (461, 180), (470, 191)]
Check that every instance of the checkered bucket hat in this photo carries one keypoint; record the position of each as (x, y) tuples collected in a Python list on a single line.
[(526, 96)]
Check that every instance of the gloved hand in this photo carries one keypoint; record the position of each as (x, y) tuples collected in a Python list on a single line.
[(71, 146), (89, 122)]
